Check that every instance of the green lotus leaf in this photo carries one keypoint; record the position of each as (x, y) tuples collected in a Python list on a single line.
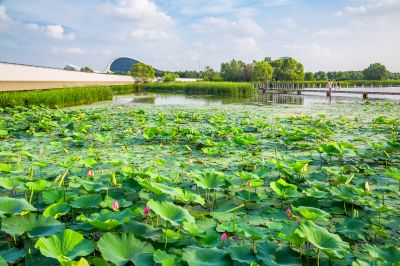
[(3, 262), (393, 172), (57, 210), (321, 238), (311, 213), (248, 196), (86, 201), (242, 254), (332, 149), (273, 255), (14, 206), (196, 256), (125, 248), (212, 180), (165, 259), (388, 254), (142, 230), (300, 166), (39, 185), (65, 246), (284, 189), (35, 225), (106, 220), (348, 193), (165, 189), (168, 211), (191, 197), (10, 184), (351, 228), (53, 196), (12, 255)]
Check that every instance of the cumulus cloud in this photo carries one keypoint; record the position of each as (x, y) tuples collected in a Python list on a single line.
[(57, 32), (295, 47), (147, 20), (331, 33), (53, 31)]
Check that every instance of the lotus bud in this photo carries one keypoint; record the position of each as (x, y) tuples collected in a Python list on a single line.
[(90, 172), (228, 138), (288, 212), (41, 150), (115, 205), (249, 183), (146, 211), (114, 180), (138, 132), (161, 145), (190, 161), (224, 236), (367, 187), (8, 238)]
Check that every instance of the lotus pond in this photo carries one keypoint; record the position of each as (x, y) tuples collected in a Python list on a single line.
[(214, 185)]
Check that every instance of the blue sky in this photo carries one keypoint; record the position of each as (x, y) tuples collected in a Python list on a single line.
[(191, 34)]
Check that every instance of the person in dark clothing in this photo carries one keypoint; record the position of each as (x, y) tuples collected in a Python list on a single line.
[(271, 85)]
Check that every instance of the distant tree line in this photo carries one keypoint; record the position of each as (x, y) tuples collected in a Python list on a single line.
[(284, 69)]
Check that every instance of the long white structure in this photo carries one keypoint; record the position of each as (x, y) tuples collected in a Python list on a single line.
[(24, 77)]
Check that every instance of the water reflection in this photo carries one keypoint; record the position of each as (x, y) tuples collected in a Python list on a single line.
[(184, 99)]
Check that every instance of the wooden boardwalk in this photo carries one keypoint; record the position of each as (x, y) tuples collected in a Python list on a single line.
[(300, 89)]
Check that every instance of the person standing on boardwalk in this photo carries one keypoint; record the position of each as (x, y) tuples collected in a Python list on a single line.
[(329, 85), (337, 85)]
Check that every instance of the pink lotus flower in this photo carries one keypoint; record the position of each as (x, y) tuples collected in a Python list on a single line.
[(228, 138), (138, 132), (8, 238), (190, 161), (90, 172), (288, 212), (224, 237), (115, 205), (146, 210)]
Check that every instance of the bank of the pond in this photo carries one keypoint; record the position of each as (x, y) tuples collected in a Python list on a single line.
[(62, 97), (344, 83), (200, 88)]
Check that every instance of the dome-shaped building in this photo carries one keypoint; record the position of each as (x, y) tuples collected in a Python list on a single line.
[(122, 65)]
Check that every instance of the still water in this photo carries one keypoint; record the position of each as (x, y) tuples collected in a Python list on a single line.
[(260, 99)]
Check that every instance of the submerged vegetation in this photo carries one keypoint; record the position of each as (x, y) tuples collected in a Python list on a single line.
[(219, 186), (62, 97)]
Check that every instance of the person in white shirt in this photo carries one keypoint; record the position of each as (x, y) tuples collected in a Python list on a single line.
[(330, 85)]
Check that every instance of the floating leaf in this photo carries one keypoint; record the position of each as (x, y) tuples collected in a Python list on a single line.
[(14, 206), (65, 246), (56, 210), (311, 213), (125, 248), (170, 212), (196, 256)]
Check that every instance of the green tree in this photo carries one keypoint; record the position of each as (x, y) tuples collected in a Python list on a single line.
[(170, 77), (86, 69), (320, 75), (262, 71), (236, 71), (209, 74), (375, 71), (143, 72), (309, 76), (288, 69)]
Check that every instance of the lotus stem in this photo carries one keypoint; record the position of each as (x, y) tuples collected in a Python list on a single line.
[(166, 238), (344, 205), (234, 221), (30, 198), (317, 257)]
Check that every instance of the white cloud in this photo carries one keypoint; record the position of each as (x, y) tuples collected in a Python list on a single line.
[(69, 50), (57, 32), (53, 31), (372, 7), (288, 23), (293, 47), (318, 50), (149, 34), (332, 33), (243, 27), (5, 20)]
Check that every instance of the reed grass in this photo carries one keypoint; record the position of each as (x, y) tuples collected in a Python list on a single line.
[(200, 88), (57, 98)]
